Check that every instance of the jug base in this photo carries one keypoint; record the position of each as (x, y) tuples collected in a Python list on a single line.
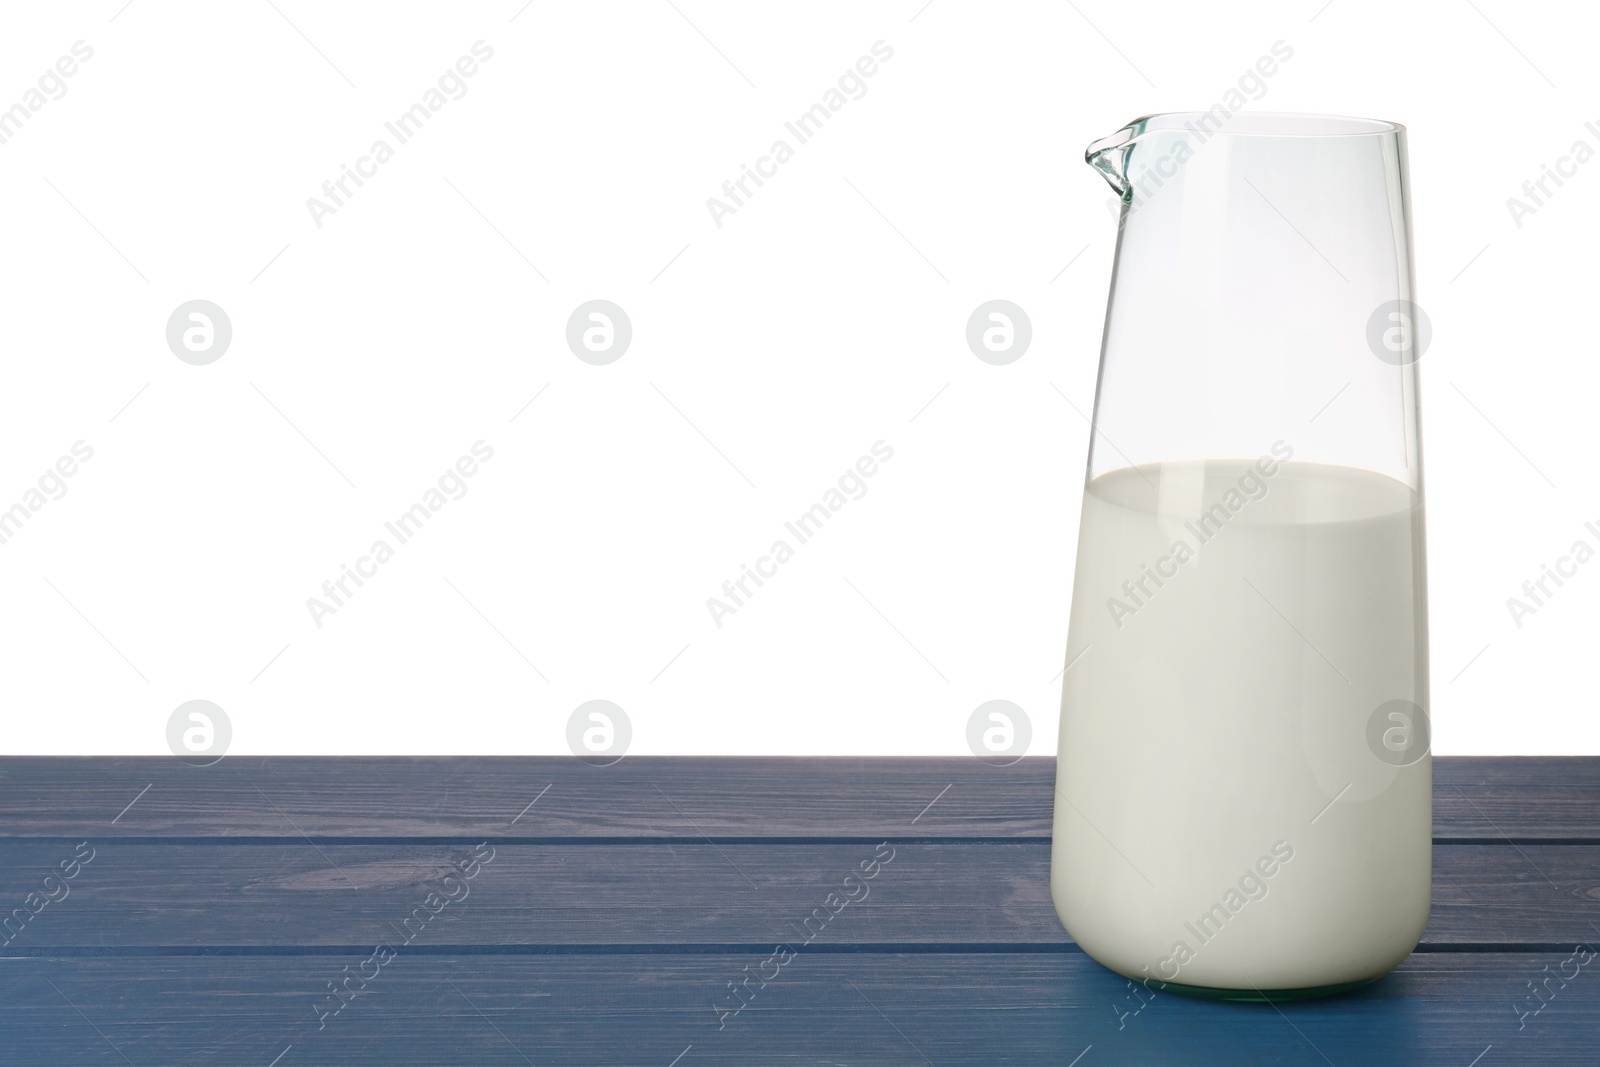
[(1260, 996)]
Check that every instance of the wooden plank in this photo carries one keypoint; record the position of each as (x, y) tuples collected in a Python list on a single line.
[(477, 797), (952, 1010), (216, 894), (1476, 798), (1525, 798)]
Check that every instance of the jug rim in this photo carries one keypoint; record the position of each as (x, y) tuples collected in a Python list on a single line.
[(1283, 124)]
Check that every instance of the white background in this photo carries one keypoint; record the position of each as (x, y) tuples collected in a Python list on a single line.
[(768, 354)]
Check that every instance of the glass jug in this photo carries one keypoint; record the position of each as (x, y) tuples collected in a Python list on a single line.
[(1243, 798)]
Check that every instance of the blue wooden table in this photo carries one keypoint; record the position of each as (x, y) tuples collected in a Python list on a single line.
[(295, 912)]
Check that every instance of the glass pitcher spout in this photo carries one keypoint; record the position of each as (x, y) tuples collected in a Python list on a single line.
[(1109, 156)]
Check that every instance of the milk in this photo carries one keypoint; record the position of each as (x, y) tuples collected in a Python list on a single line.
[(1221, 819)]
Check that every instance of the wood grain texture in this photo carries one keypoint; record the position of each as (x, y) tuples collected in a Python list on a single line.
[(450, 797), (1441, 1009), (216, 896), (1555, 798)]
